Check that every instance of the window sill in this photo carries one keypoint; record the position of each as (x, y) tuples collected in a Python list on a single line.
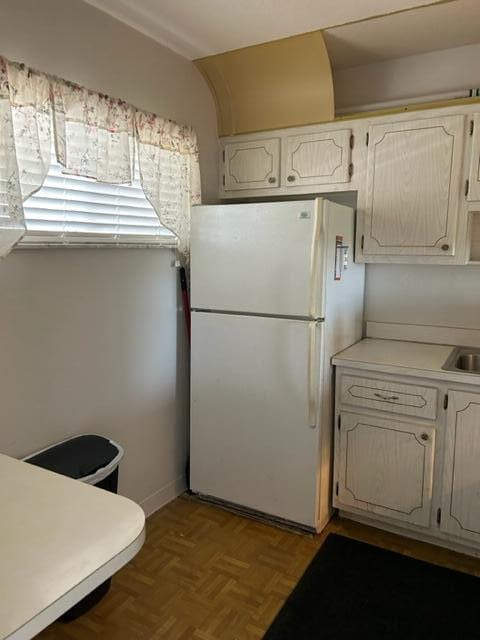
[(32, 242)]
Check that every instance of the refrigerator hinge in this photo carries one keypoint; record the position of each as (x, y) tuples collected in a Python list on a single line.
[(472, 126), (439, 516), (445, 402), (350, 169), (368, 139), (352, 141), (336, 488), (467, 187)]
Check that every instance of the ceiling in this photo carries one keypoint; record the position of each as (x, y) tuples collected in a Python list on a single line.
[(198, 28), (369, 31), (440, 26)]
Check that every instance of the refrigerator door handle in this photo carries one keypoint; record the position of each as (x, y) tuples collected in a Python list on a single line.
[(314, 252), (312, 375)]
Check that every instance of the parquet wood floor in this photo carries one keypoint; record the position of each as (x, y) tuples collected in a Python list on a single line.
[(207, 574)]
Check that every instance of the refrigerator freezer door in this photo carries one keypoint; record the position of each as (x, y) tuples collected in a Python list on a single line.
[(253, 401), (263, 258)]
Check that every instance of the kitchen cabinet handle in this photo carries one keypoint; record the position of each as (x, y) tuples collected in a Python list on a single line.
[(314, 257), (272, 179), (424, 436), (445, 247), (291, 178), (382, 397)]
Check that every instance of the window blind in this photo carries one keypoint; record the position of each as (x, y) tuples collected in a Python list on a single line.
[(70, 209)]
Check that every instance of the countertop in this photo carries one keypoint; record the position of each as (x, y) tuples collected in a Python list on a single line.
[(59, 539), (403, 358)]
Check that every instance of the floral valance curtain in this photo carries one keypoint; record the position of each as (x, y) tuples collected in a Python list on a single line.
[(25, 141), (95, 137), (168, 159), (93, 133)]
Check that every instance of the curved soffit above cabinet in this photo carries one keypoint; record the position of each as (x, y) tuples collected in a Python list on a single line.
[(278, 84)]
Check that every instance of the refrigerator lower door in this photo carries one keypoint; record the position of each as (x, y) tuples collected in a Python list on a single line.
[(254, 413)]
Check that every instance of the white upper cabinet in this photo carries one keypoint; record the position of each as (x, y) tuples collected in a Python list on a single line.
[(252, 164), (323, 157), (474, 175), (385, 468), (413, 187), (461, 477), (409, 172)]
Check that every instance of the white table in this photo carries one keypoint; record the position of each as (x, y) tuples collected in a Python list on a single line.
[(59, 539)]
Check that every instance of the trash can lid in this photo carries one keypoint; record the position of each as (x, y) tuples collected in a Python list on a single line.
[(77, 457)]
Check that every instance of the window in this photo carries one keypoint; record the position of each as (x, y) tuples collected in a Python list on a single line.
[(74, 210)]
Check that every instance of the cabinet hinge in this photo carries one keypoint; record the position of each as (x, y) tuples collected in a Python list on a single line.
[(445, 402), (336, 488), (223, 156), (352, 141), (439, 516), (339, 422), (350, 169), (362, 242), (472, 126), (467, 187), (368, 139), (223, 179)]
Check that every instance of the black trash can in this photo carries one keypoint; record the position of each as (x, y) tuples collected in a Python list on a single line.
[(92, 459)]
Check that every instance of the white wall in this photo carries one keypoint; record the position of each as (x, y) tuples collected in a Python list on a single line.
[(409, 77), (94, 340), (91, 342), (432, 295)]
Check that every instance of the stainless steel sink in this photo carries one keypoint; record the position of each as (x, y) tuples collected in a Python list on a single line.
[(463, 359)]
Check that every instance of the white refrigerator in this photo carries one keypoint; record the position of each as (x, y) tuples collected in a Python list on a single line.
[(274, 294)]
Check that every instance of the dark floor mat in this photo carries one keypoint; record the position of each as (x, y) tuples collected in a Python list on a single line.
[(353, 590)]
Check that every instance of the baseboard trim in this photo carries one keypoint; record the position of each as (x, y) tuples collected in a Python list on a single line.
[(253, 514), (438, 541), (164, 495)]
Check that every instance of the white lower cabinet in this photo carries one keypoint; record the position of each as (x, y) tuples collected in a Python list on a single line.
[(418, 475), (386, 467), (461, 474)]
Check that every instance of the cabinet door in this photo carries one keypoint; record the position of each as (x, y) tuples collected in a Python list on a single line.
[(317, 158), (253, 164), (413, 187), (461, 472), (474, 175), (385, 468)]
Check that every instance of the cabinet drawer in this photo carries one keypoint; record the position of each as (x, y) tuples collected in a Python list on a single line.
[(393, 397)]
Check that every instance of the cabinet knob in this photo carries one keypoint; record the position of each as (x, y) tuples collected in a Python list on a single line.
[(424, 436), (291, 178), (445, 247), (272, 179)]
